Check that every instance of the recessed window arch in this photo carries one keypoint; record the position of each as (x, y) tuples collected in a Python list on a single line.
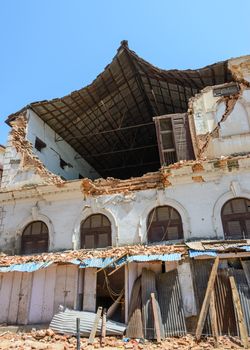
[(164, 224), (96, 232), (235, 216), (35, 238)]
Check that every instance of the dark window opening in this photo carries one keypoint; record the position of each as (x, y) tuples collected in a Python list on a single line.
[(235, 215), (108, 289), (164, 224), (96, 232), (64, 165), (39, 144), (35, 238)]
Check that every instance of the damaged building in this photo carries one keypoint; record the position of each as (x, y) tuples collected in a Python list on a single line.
[(131, 192)]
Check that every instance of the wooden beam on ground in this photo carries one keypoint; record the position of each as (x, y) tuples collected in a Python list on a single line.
[(239, 312), (213, 318), (156, 318), (207, 298), (95, 325)]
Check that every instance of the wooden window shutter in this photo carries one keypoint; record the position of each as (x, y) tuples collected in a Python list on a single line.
[(174, 138)]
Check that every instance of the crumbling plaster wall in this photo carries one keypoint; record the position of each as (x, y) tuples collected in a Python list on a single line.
[(50, 155), (199, 204), (221, 124)]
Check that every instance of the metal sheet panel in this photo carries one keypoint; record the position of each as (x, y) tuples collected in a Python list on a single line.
[(195, 253), (27, 267), (148, 286), (224, 305), (161, 257), (171, 304), (65, 323), (134, 329), (244, 293), (201, 271)]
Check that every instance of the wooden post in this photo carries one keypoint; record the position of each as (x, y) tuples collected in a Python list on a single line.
[(206, 301), (156, 318), (78, 344), (103, 334), (95, 325), (213, 318), (238, 309)]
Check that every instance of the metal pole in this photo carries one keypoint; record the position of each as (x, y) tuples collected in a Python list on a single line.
[(78, 342)]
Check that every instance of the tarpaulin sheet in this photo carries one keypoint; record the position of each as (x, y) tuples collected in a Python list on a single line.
[(195, 253)]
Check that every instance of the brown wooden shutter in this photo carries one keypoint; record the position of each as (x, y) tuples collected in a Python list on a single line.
[(174, 139)]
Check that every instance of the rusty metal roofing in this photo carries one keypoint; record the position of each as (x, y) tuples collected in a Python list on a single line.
[(110, 122)]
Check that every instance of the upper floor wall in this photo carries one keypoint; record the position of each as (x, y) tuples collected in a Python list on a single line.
[(220, 115), (197, 196), (35, 154), (57, 155)]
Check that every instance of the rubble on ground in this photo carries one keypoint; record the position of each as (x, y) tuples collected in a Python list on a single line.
[(46, 339)]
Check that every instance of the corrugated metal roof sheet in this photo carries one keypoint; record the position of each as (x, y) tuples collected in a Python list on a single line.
[(162, 257), (96, 262), (28, 267), (195, 253), (246, 248)]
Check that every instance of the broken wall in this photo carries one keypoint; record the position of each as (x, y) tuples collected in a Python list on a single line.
[(196, 191), (55, 148), (220, 115), (24, 165)]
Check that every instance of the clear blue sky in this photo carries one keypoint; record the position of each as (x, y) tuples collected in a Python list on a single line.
[(52, 47)]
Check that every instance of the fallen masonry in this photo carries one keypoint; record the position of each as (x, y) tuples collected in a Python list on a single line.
[(46, 339)]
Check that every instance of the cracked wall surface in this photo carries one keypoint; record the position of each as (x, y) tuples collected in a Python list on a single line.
[(220, 125), (21, 166)]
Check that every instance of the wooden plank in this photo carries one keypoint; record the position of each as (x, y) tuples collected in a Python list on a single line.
[(59, 296), (206, 302), (71, 286), (24, 298), (95, 325), (103, 335), (6, 280), (14, 298), (239, 313), (48, 294), (156, 318), (213, 318), (37, 292)]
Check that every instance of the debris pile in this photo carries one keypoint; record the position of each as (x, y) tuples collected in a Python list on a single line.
[(81, 254), (48, 340)]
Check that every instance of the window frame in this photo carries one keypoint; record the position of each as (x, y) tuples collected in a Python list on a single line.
[(34, 239), (164, 223), (95, 232), (239, 217)]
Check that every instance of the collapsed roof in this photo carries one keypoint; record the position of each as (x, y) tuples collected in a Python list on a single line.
[(109, 122)]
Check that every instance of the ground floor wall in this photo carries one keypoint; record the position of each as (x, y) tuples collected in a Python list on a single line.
[(179, 287)]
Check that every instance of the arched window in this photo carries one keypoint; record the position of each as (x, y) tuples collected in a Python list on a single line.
[(35, 238), (164, 224), (235, 216), (96, 232)]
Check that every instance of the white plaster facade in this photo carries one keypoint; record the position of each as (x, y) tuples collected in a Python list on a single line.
[(63, 209), (55, 148)]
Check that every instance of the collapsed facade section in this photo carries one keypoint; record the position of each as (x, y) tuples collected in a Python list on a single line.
[(77, 230)]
